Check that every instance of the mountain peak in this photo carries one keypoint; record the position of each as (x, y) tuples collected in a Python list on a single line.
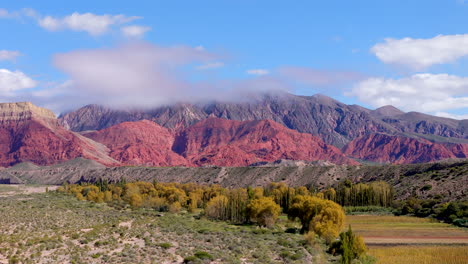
[(23, 111), (325, 100), (388, 111)]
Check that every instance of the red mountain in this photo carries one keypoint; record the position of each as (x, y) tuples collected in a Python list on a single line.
[(402, 150), (222, 142), (139, 143), (31, 133)]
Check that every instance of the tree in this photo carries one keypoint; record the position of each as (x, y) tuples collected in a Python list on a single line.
[(263, 211), (324, 217), (216, 208), (350, 247)]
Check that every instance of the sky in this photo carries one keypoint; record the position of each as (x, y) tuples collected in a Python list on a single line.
[(410, 54)]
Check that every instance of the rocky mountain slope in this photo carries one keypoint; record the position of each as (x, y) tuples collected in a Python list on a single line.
[(332, 121), (31, 133), (213, 141), (139, 143), (384, 148), (222, 142), (192, 135)]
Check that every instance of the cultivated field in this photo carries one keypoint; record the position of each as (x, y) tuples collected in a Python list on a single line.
[(58, 228), (404, 239)]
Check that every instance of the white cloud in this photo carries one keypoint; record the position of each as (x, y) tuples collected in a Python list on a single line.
[(419, 54), (9, 55), (136, 74), (258, 72), (11, 82), (211, 65), (134, 31), (450, 115), (87, 22), (419, 92)]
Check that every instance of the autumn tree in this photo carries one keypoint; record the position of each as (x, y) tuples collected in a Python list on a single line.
[(263, 211), (350, 247), (324, 217), (216, 208)]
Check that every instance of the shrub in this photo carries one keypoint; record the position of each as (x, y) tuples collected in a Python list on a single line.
[(203, 255), (165, 245)]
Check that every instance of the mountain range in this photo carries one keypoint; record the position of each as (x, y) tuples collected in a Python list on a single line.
[(264, 128)]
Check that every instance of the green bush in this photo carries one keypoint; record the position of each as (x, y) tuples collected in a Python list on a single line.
[(203, 255), (165, 245)]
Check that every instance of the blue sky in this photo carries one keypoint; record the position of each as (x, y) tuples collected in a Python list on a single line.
[(338, 48)]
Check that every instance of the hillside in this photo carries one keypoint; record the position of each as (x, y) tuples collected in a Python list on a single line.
[(447, 179)]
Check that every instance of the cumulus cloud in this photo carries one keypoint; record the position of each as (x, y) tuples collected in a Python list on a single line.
[(211, 65), (258, 72), (87, 22), (420, 92), (134, 31), (9, 55), (12, 82), (314, 77), (419, 54)]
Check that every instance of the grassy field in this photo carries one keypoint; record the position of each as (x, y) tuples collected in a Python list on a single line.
[(403, 239), (49, 227), (420, 254)]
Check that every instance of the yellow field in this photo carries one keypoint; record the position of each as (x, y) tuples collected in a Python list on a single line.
[(420, 254), (411, 240), (404, 230)]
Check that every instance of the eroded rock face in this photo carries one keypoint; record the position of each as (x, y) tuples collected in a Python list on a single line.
[(139, 143), (222, 142), (23, 111), (402, 150), (31, 133)]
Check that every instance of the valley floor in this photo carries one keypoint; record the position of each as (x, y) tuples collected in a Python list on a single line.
[(57, 228), (40, 227)]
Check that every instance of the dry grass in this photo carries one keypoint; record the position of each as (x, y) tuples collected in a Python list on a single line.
[(384, 230), (420, 254)]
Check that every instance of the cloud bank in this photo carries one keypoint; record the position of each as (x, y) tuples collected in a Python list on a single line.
[(419, 54), (426, 92)]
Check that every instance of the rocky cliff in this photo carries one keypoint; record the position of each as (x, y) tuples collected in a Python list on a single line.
[(30, 133)]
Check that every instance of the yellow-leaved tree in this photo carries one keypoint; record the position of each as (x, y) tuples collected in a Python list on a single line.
[(263, 211), (324, 217)]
